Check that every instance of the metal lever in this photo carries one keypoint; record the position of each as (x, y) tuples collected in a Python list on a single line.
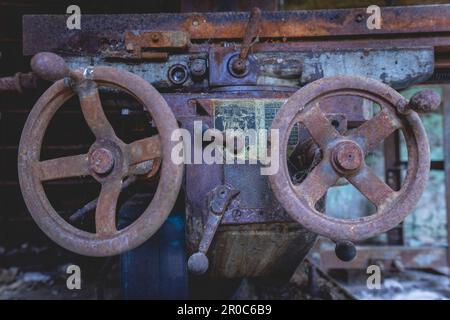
[(239, 65), (219, 199)]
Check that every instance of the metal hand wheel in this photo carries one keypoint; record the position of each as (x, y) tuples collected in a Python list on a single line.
[(109, 160), (343, 156)]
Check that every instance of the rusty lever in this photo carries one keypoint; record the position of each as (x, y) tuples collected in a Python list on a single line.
[(239, 65), (218, 201), (251, 32)]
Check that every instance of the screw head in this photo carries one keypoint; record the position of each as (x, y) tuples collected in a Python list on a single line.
[(155, 37), (198, 67), (238, 67)]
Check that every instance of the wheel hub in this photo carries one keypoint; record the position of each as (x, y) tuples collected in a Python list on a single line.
[(101, 161)]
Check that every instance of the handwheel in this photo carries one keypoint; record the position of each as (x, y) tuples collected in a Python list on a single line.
[(343, 156), (109, 160)]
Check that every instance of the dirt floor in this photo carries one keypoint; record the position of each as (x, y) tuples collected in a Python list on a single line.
[(22, 276), (40, 272), (50, 285), (49, 282)]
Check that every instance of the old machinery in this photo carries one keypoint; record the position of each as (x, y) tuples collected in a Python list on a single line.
[(312, 75), (109, 159), (343, 156)]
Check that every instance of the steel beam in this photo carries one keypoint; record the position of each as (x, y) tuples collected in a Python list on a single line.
[(49, 32)]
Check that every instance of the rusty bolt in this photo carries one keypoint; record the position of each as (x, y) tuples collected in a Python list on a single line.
[(155, 37), (49, 66), (347, 157), (198, 67), (238, 67), (198, 263), (101, 161)]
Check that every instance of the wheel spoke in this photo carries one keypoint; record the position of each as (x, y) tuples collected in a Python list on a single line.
[(92, 109), (317, 182), (65, 167), (376, 130), (318, 126), (105, 213), (145, 149), (368, 183)]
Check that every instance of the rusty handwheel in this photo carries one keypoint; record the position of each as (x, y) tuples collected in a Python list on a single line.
[(343, 156), (109, 160)]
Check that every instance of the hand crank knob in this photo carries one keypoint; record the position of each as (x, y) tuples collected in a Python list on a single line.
[(49, 66), (423, 101), (198, 263), (345, 250)]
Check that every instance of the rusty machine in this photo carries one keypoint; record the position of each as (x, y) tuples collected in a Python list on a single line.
[(315, 76)]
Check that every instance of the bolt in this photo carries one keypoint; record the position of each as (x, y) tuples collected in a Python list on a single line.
[(101, 161), (198, 67), (155, 37), (239, 66)]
